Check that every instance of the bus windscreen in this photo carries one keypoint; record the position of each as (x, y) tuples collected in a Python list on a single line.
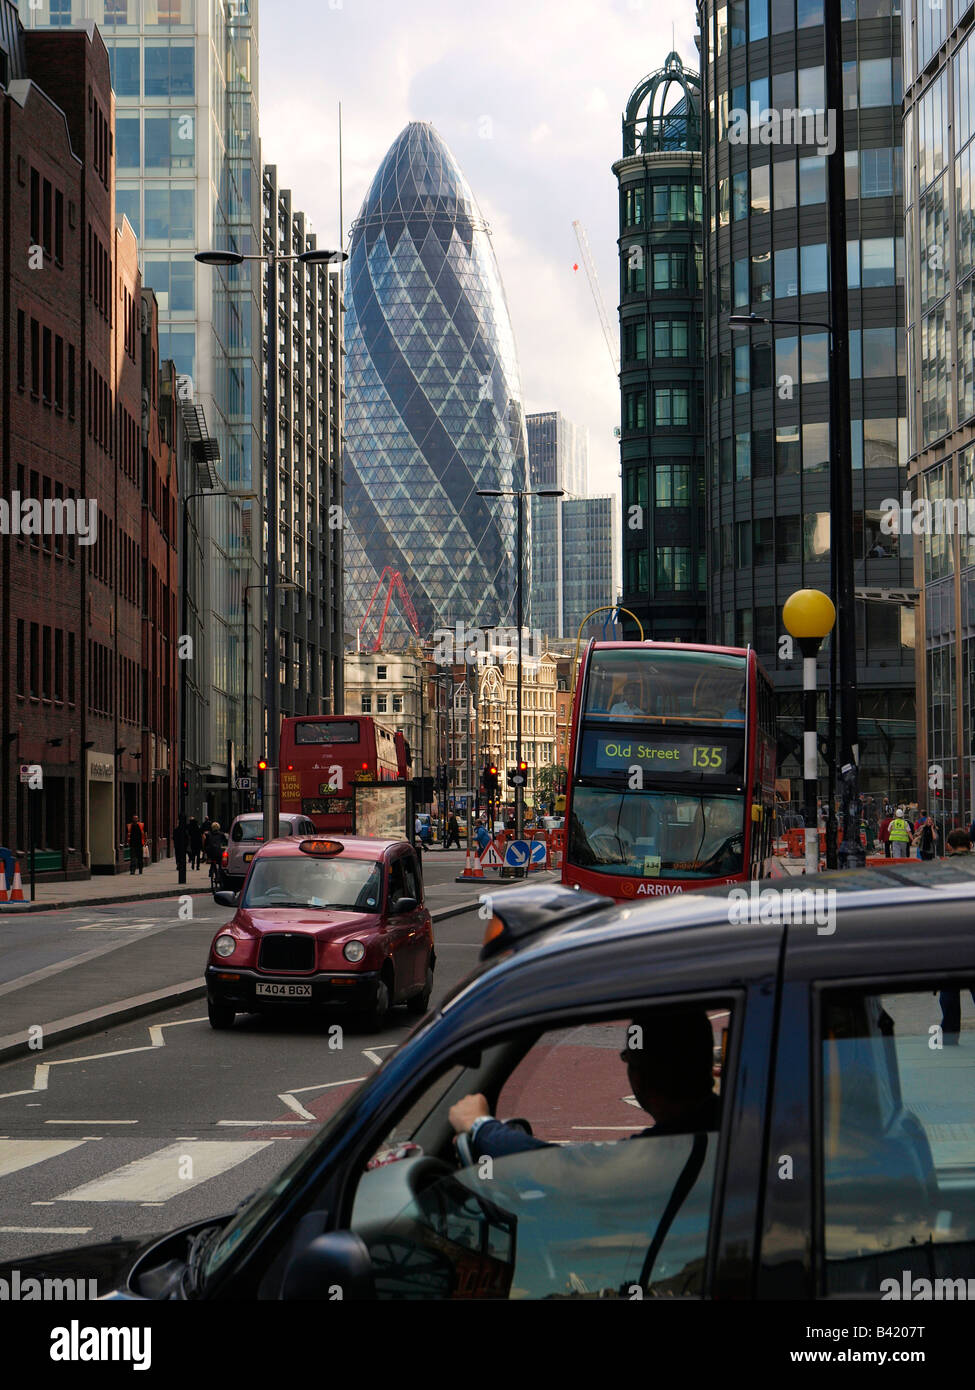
[(691, 687), (657, 834)]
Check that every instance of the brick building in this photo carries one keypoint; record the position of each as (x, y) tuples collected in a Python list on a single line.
[(73, 430)]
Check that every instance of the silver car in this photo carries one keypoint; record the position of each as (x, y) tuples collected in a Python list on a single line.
[(246, 833)]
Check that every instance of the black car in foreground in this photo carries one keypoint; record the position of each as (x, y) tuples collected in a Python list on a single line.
[(811, 1083)]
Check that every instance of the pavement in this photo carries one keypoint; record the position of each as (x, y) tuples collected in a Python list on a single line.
[(76, 992)]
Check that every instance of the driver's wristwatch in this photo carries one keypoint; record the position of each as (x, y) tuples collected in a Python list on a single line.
[(481, 1120)]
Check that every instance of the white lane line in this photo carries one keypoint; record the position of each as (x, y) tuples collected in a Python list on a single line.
[(157, 1176), (373, 1052), (91, 1122), (288, 1097), (46, 1230), (24, 1153), (263, 1124), (42, 1070), (43, 1204)]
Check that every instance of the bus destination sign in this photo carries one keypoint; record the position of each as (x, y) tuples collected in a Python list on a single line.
[(663, 756)]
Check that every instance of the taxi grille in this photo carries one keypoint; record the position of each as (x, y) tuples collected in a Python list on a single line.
[(287, 953)]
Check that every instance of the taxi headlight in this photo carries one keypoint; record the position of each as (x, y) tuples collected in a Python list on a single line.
[(353, 950), (225, 945)]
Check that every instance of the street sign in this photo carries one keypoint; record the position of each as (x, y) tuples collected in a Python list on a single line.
[(243, 784), (491, 857), (516, 855), (516, 778), (33, 775), (539, 852)]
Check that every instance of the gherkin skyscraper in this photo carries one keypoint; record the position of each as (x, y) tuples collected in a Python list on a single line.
[(433, 408)]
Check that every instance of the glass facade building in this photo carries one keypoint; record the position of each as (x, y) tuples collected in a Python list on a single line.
[(433, 408), (558, 457), (188, 178), (768, 437), (309, 450), (590, 562), (662, 356), (939, 150)]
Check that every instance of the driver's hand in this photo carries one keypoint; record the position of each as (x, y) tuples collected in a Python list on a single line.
[(466, 1111)]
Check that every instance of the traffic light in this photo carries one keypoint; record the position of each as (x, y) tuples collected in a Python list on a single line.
[(489, 780), (262, 765), (518, 776)]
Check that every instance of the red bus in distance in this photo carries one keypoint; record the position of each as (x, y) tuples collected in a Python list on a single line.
[(671, 775), (323, 755)]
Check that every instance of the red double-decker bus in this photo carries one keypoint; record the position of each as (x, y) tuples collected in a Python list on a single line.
[(671, 777), (323, 755)]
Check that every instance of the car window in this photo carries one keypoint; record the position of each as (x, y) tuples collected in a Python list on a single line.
[(898, 1157), (603, 1199), (304, 881), (397, 883), (411, 877)]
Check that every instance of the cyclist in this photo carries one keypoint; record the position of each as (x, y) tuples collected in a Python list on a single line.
[(214, 845)]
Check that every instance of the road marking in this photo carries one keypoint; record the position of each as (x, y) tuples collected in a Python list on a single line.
[(43, 1204), (157, 1176), (91, 1122), (42, 1070), (24, 1153), (111, 924), (264, 1124), (372, 1052), (288, 1097), (46, 1230)]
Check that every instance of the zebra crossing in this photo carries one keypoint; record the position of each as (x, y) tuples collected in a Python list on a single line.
[(153, 1177)]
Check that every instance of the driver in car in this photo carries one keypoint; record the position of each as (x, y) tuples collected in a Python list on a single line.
[(669, 1059)]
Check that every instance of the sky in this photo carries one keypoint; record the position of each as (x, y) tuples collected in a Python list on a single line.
[(529, 98)]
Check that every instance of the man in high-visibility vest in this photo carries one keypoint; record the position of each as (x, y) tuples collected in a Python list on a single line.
[(900, 832)]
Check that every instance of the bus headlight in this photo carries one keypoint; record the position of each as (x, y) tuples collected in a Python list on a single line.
[(225, 945), (353, 951)]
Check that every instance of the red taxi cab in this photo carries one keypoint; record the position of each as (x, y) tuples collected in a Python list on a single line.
[(322, 920)]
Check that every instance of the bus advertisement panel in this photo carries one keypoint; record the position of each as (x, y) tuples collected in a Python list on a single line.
[(323, 758), (671, 769)]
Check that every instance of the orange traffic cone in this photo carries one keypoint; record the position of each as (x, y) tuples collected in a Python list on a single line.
[(467, 870), (3, 881), (17, 895)]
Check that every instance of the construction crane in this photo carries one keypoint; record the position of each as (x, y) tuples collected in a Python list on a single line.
[(395, 582), (597, 294)]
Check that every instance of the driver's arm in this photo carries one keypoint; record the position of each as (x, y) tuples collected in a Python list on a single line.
[(490, 1137)]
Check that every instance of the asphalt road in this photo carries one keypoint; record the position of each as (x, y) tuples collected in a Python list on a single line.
[(162, 1121)]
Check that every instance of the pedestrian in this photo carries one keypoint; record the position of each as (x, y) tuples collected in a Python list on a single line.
[(950, 999), (483, 836), (453, 832), (195, 842), (883, 835), (900, 833), (137, 843), (180, 844), (924, 836)]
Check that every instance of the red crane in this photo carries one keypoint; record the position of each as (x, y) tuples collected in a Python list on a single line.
[(395, 582)]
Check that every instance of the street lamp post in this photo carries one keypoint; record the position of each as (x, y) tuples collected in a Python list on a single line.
[(273, 259), (284, 587), (184, 623), (809, 615), (839, 466), (520, 494)]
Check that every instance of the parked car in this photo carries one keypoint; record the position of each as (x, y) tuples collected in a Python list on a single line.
[(809, 1137), (246, 833), (323, 920)]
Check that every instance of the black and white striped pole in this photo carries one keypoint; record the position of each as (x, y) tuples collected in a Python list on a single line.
[(809, 615)]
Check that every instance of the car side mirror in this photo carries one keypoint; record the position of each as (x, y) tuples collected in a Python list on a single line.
[(225, 898), (405, 905), (333, 1265)]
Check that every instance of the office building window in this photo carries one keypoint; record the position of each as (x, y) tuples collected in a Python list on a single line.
[(169, 68), (670, 407), (669, 338), (366, 704)]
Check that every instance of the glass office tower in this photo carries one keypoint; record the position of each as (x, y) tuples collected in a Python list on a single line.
[(433, 409), (939, 145), (662, 356), (768, 438), (188, 178), (558, 457)]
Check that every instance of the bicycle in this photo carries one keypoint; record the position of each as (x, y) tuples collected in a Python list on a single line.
[(215, 875)]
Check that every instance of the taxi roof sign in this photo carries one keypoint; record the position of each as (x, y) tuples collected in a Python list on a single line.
[(321, 847)]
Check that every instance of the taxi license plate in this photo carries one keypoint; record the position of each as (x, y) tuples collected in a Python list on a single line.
[(248, 857), (284, 991)]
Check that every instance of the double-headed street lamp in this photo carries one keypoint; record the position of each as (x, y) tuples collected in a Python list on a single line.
[(521, 495), (843, 595), (273, 258)]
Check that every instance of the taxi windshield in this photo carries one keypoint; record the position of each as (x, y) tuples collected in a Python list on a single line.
[(306, 881)]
